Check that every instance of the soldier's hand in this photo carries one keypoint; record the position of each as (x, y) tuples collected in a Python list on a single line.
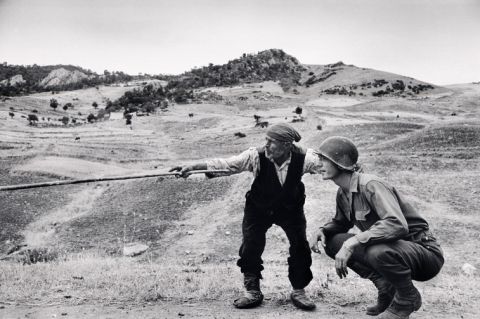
[(341, 259), (318, 236), (344, 254)]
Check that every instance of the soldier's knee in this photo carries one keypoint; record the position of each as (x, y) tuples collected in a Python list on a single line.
[(334, 243), (378, 254)]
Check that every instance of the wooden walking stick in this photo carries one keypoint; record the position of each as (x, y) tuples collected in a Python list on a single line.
[(102, 179)]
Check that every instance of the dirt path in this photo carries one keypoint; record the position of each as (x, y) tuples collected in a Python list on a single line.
[(40, 232), (208, 309)]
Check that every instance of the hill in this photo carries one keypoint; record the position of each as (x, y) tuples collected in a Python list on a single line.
[(276, 66), (19, 79)]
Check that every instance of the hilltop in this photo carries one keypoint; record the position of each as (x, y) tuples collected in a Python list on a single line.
[(274, 65)]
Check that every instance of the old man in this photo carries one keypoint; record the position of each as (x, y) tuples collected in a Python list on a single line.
[(277, 196)]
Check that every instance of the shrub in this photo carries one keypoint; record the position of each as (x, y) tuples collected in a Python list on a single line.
[(32, 119), (91, 118), (32, 256), (128, 118), (53, 104)]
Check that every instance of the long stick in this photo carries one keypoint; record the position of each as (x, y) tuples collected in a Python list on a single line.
[(101, 179)]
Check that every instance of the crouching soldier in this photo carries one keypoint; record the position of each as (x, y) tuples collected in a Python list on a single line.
[(394, 246), (276, 197)]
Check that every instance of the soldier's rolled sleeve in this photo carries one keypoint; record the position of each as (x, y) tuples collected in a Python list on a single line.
[(392, 224)]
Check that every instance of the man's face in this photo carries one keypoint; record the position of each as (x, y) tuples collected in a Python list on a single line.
[(329, 170), (276, 149)]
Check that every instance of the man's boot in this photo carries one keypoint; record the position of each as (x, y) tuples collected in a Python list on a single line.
[(407, 300), (252, 296), (385, 295), (300, 300)]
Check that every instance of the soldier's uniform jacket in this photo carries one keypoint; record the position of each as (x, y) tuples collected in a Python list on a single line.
[(380, 212)]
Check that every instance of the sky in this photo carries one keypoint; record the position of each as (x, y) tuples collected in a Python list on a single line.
[(436, 41)]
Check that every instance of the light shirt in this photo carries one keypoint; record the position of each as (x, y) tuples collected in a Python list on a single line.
[(249, 160)]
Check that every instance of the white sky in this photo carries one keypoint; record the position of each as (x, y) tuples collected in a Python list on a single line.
[(437, 41)]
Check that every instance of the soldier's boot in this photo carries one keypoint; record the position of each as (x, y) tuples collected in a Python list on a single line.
[(300, 300), (385, 296), (407, 300), (252, 297)]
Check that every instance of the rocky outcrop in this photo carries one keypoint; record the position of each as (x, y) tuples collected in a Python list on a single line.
[(14, 80), (59, 77)]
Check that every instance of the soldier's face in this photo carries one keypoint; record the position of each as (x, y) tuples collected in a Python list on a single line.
[(276, 149), (329, 170)]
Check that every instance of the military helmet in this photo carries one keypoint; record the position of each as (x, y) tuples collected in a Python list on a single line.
[(340, 150)]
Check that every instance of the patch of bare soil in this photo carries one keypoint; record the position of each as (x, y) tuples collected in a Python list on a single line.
[(135, 211)]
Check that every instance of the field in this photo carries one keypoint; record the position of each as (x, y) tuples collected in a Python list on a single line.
[(61, 247)]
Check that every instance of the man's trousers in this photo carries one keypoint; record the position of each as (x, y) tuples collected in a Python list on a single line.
[(398, 261), (254, 228)]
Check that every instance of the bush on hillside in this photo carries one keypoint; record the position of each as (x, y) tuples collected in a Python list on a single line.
[(32, 119), (53, 104)]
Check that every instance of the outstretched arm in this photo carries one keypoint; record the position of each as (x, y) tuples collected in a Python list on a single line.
[(246, 161), (185, 170)]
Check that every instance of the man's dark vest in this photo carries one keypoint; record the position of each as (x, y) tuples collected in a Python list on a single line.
[(268, 194)]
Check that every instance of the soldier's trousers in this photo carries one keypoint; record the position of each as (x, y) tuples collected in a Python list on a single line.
[(254, 228), (398, 261)]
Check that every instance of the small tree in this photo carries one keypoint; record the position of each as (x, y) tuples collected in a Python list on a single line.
[(128, 118), (65, 120), (91, 118), (32, 119), (53, 104), (298, 110), (257, 118), (65, 107), (11, 114), (95, 105)]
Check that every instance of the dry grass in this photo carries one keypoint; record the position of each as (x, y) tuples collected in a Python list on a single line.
[(97, 279)]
